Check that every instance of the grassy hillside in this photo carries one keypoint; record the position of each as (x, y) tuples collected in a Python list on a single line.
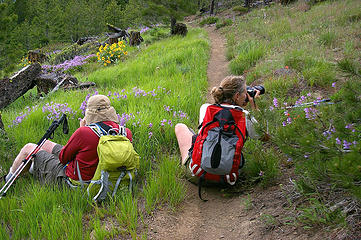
[(163, 85), (307, 57), (300, 57)]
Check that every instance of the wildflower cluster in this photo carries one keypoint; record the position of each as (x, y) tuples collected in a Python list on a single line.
[(176, 114), (56, 109), (24, 61), (68, 64), (111, 53), (23, 115), (135, 119)]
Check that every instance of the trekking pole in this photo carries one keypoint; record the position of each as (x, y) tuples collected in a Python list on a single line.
[(309, 104), (55, 124)]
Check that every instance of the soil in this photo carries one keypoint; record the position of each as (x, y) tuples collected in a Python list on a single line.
[(256, 214)]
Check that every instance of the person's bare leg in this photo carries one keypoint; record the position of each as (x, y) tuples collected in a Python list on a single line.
[(184, 137), (26, 150), (48, 146)]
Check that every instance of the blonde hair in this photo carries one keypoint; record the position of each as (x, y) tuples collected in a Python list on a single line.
[(229, 86)]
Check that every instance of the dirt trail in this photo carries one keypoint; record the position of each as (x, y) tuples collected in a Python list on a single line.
[(218, 64), (253, 215)]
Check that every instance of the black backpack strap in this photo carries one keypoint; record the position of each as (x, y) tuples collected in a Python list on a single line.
[(200, 181), (104, 127)]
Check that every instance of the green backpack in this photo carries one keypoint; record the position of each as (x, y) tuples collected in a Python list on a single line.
[(118, 162)]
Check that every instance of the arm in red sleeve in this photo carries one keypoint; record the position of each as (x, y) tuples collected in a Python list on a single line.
[(70, 150), (129, 134)]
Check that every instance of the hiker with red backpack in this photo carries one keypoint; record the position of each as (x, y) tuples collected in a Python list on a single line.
[(78, 159), (215, 154)]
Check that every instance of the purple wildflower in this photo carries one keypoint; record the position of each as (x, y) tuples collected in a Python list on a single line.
[(150, 134), (338, 141), (346, 145), (150, 125), (163, 122), (275, 102), (334, 84)]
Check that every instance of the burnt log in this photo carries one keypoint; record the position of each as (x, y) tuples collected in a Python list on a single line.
[(14, 87), (36, 56), (84, 40), (1, 123), (179, 29), (135, 39), (119, 33), (81, 85), (47, 82)]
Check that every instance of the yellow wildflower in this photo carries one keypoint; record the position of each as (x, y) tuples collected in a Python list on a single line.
[(105, 64), (125, 53)]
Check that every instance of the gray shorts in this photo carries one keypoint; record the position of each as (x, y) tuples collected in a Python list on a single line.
[(47, 167)]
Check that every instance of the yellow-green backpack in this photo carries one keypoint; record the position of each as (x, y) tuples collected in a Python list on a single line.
[(118, 162)]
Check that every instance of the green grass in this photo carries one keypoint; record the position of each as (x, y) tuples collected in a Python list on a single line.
[(321, 49), (159, 85), (209, 20)]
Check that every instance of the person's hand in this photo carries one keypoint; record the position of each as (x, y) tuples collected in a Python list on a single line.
[(82, 122), (252, 101)]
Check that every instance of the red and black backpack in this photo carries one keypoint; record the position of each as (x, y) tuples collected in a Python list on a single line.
[(217, 151)]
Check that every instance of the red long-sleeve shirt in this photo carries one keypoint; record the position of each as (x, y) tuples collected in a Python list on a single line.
[(82, 148)]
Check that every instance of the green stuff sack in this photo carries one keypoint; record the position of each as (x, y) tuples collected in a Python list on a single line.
[(118, 162)]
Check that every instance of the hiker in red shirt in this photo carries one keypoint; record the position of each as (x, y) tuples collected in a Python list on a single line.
[(54, 162)]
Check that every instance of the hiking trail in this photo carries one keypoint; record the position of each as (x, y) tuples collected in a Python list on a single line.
[(250, 215)]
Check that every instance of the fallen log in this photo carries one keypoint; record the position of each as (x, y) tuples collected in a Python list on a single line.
[(1, 123), (46, 82), (14, 87), (118, 33)]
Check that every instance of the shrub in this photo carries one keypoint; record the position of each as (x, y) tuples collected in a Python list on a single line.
[(209, 20), (111, 53), (240, 9), (155, 34), (224, 23), (260, 164), (322, 140), (70, 52)]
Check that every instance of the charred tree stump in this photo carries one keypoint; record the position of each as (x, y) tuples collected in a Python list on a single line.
[(14, 87), (113, 40), (1, 123), (212, 8), (36, 56), (135, 39), (179, 29)]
